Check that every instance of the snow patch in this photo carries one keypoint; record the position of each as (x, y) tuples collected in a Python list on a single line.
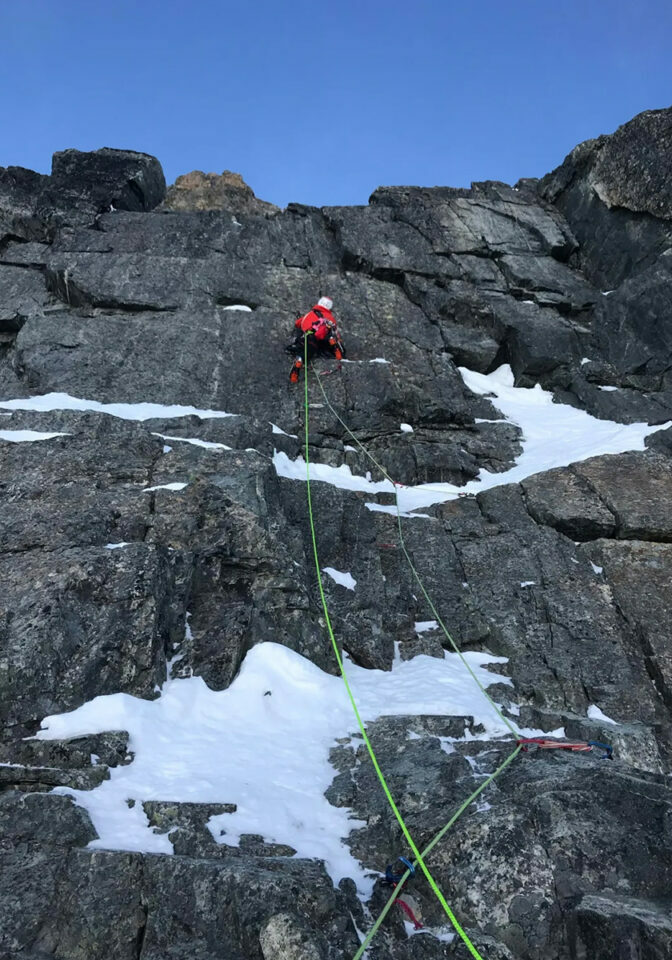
[(125, 411), (271, 735), (378, 360), (207, 444), (239, 306), (28, 436), (386, 508), (606, 388), (341, 477), (117, 546), (594, 713), (422, 626), (595, 567), (344, 579), (176, 485), (406, 428), (277, 429), (528, 583), (553, 435)]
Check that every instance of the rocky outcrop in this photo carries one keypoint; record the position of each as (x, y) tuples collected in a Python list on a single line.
[(129, 553), (80, 188), (615, 194), (215, 191)]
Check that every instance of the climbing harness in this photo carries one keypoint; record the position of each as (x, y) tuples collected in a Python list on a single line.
[(574, 746)]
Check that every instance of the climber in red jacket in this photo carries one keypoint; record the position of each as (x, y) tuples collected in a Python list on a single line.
[(323, 338)]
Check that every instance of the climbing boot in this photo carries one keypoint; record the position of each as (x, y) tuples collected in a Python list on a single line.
[(294, 375)]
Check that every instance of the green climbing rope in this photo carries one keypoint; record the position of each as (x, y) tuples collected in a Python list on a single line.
[(400, 820), (449, 637)]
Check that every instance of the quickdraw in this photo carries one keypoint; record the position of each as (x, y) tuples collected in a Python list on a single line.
[(574, 746), (409, 913), (394, 879)]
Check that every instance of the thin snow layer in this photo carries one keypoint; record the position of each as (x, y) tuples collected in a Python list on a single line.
[(344, 579), (342, 476), (27, 436), (594, 713), (175, 485), (263, 744), (125, 411), (553, 435), (207, 444), (385, 508)]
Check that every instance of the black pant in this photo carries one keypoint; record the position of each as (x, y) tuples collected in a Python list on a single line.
[(315, 347)]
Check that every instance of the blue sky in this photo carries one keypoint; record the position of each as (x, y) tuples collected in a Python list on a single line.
[(321, 102)]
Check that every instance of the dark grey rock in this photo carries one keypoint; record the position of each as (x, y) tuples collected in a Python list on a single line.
[(107, 749), (564, 500), (612, 925), (123, 179), (614, 192), (105, 297), (639, 576), (80, 188), (542, 857), (95, 620), (631, 168), (42, 779), (22, 294)]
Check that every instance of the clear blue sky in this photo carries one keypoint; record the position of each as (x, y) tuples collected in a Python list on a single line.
[(321, 102)]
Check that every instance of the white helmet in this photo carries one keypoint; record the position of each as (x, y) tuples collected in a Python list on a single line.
[(325, 302)]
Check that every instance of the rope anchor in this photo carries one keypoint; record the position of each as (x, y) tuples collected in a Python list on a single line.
[(528, 744)]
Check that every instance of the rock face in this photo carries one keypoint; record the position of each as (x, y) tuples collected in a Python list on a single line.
[(129, 553)]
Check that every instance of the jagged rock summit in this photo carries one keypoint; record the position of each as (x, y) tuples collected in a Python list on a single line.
[(212, 191), (154, 528)]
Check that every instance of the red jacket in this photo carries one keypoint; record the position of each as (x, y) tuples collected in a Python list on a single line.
[(318, 319)]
